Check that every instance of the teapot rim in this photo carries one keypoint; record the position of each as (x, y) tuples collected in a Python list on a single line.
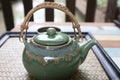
[(51, 47)]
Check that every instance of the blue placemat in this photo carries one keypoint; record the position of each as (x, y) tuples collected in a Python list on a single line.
[(113, 52)]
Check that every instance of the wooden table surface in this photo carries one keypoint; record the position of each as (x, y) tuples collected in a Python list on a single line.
[(107, 34)]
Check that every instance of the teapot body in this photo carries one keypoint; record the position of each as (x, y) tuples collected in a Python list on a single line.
[(56, 64)]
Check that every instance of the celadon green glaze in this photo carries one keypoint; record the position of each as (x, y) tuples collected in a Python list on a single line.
[(46, 63), (51, 38)]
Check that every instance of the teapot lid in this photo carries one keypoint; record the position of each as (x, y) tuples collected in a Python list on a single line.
[(51, 38)]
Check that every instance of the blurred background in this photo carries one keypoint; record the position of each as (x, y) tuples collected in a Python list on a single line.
[(17, 6)]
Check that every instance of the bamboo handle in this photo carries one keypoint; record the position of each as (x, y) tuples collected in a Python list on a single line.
[(53, 5)]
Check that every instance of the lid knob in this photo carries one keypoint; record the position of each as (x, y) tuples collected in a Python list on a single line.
[(51, 32)]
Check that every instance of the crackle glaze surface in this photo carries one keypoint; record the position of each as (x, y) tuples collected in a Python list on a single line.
[(50, 64)]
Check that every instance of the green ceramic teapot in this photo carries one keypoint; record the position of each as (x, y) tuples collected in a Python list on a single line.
[(53, 55)]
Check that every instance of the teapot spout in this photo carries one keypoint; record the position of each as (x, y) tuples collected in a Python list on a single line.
[(85, 47)]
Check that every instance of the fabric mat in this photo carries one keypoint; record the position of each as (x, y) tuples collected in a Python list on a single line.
[(11, 67)]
